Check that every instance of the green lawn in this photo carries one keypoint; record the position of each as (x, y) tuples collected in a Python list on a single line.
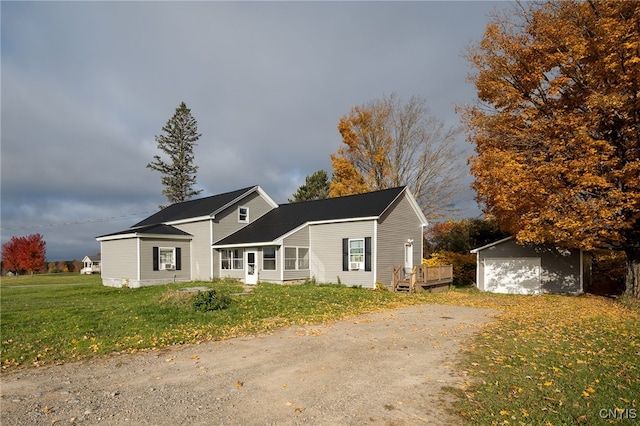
[(552, 360), (64, 317), (548, 359)]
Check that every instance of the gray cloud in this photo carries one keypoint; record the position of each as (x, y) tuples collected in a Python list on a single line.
[(87, 85)]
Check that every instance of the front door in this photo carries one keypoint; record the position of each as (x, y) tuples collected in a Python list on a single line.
[(408, 259), (251, 268)]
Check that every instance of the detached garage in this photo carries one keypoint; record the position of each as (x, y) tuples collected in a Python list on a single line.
[(507, 267)]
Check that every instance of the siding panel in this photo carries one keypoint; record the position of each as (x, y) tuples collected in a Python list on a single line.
[(325, 255), (226, 222), (119, 262), (399, 225), (200, 265), (150, 277)]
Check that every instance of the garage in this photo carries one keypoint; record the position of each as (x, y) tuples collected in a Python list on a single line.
[(512, 275), (508, 267)]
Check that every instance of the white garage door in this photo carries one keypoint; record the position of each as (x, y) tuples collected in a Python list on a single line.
[(520, 275)]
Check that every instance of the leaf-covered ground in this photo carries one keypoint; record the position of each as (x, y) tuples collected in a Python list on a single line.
[(552, 360)]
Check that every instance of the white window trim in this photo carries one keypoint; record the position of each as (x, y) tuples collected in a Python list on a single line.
[(246, 219), (162, 266), (360, 264)]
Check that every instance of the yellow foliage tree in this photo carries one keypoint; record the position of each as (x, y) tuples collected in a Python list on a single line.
[(388, 143), (557, 125)]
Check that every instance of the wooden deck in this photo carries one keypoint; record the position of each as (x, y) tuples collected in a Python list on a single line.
[(422, 278)]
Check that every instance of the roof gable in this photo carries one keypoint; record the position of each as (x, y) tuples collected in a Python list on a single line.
[(288, 217), (197, 208), (495, 243)]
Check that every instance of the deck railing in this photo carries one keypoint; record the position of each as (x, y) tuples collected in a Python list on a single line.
[(421, 277)]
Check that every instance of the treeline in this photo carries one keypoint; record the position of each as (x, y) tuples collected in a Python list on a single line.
[(26, 254), (49, 267)]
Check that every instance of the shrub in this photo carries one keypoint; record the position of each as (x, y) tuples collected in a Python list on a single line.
[(210, 300)]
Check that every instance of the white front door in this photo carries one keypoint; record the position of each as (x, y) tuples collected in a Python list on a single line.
[(251, 268), (408, 258)]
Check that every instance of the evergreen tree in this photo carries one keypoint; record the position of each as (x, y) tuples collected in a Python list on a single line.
[(316, 187), (177, 142)]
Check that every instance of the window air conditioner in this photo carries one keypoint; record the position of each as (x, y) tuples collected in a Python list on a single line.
[(354, 265), (168, 266)]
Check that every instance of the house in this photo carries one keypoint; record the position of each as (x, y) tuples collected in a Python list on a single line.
[(507, 267), (244, 234), (91, 264)]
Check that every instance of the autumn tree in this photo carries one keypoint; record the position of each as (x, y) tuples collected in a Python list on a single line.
[(463, 235), (316, 187), (389, 143), (24, 254), (177, 143), (557, 125)]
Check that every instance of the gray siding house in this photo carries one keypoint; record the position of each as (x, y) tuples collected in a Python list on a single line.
[(355, 240), (507, 267)]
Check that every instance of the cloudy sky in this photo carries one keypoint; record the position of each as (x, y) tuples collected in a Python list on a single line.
[(86, 86)]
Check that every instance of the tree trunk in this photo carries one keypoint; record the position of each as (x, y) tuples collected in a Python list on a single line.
[(632, 280)]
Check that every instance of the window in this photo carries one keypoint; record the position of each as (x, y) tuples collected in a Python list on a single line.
[(290, 256), (269, 258), (243, 214), (296, 258), (166, 258), (303, 258), (232, 259), (356, 254)]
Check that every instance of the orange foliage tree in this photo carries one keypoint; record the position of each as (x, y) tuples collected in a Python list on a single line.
[(557, 125), (389, 143)]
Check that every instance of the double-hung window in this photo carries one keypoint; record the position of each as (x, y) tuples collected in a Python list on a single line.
[(167, 258), (356, 254), (243, 214), (269, 258)]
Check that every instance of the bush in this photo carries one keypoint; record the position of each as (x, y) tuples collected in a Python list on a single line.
[(464, 266), (210, 300)]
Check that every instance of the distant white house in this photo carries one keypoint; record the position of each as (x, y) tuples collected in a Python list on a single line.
[(91, 265)]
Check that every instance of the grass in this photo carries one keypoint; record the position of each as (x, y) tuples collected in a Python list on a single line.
[(63, 317), (545, 360), (552, 360)]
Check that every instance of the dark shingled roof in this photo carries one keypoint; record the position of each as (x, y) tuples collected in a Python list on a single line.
[(193, 208), (288, 217), (151, 229)]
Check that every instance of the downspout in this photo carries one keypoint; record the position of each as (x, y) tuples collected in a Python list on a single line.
[(211, 248), (138, 259), (374, 261)]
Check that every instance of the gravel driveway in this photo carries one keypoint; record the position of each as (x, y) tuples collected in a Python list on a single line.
[(385, 368)]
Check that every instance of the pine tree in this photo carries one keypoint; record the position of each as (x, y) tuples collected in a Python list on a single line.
[(177, 142), (316, 187)]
